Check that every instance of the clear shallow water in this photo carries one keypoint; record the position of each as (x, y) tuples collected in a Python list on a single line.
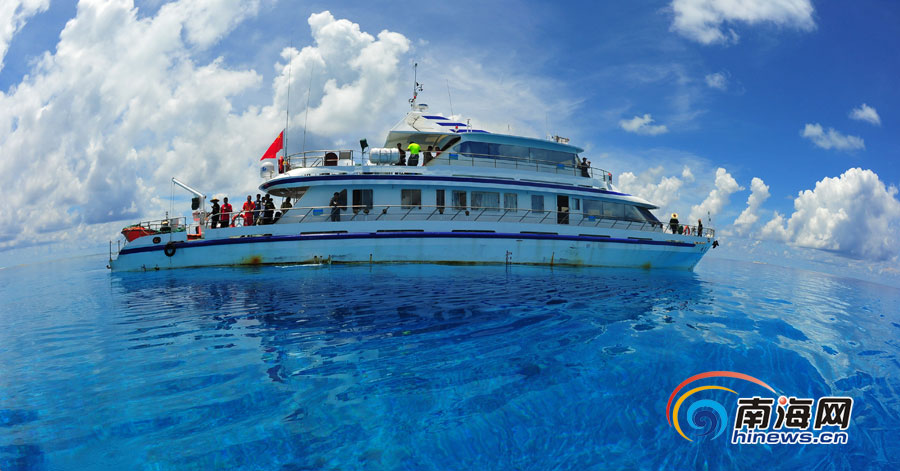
[(427, 367)]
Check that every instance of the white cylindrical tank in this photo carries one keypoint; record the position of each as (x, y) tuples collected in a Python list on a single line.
[(384, 155), (267, 169)]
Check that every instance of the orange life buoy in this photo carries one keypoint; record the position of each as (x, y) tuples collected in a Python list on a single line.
[(687, 230)]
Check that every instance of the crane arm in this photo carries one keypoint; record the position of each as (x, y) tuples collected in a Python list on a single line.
[(195, 192)]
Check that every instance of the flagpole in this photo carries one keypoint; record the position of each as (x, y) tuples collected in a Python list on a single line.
[(287, 110)]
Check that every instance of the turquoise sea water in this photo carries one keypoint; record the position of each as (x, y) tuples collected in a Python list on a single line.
[(429, 367)]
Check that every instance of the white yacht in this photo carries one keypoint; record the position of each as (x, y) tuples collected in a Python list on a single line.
[(470, 197)]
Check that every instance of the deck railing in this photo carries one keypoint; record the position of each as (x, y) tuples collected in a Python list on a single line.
[(318, 214), (348, 158)]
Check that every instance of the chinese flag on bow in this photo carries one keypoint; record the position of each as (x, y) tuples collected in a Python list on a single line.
[(274, 148)]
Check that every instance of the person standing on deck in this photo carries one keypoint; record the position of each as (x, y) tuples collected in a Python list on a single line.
[(248, 211), (215, 213), (269, 210), (285, 206), (335, 204), (673, 223), (402, 160), (413, 154), (700, 227), (225, 218), (257, 210)]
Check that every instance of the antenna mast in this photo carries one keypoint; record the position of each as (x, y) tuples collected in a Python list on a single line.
[(417, 87), (449, 97), (306, 115), (287, 108)]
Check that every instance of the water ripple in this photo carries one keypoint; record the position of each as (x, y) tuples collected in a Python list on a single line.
[(427, 367)]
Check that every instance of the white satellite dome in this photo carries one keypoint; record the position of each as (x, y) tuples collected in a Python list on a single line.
[(267, 169)]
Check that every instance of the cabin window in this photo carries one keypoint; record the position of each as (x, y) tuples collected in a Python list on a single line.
[(439, 200), (485, 200), (513, 152), (362, 199), (458, 199), (576, 204), (410, 198), (510, 201), (551, 157), (613, 210), (476, 149), (593, 208), (632, 213), (537, 202), (648, 215)]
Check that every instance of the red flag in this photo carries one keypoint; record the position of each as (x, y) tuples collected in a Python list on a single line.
[(274, 148)]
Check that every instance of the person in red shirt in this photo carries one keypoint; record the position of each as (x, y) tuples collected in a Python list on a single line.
[(226, 210), (248, 211)]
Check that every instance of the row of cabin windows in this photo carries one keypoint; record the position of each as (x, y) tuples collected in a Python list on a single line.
[(412, 198), (510, 152)]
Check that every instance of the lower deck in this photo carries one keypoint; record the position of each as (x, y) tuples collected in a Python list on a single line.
[(472, 240)]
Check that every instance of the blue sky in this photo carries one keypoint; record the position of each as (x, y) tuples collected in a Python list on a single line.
[(775, 116)]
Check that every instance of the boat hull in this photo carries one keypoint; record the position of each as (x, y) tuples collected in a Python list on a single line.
[(464, 247)]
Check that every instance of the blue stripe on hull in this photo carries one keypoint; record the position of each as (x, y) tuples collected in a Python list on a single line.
[(400, 235)]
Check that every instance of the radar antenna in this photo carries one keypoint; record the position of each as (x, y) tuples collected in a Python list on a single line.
[(417, 87)]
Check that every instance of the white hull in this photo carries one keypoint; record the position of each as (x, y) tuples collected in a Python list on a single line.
[(363, 243)]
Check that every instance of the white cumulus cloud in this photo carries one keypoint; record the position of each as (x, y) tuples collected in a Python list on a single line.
[(854, 215), (96, 129), (13, 16), (831, 139), (703, 20), (717, 80), (354, 75), (759, 193), (642, 125), (654, 186), (866, 113), (725, 185)]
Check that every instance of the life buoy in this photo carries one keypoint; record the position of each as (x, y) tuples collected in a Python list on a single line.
[(687, 230), (170, 249)]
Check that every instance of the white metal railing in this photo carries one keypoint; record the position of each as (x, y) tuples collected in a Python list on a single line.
[(350, 158), (318, 214)]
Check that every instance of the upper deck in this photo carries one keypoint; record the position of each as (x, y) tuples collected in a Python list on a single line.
[(452, 148), (322, 166), (445, 142)]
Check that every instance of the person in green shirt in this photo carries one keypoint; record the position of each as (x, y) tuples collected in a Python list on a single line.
[(413, 149)]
